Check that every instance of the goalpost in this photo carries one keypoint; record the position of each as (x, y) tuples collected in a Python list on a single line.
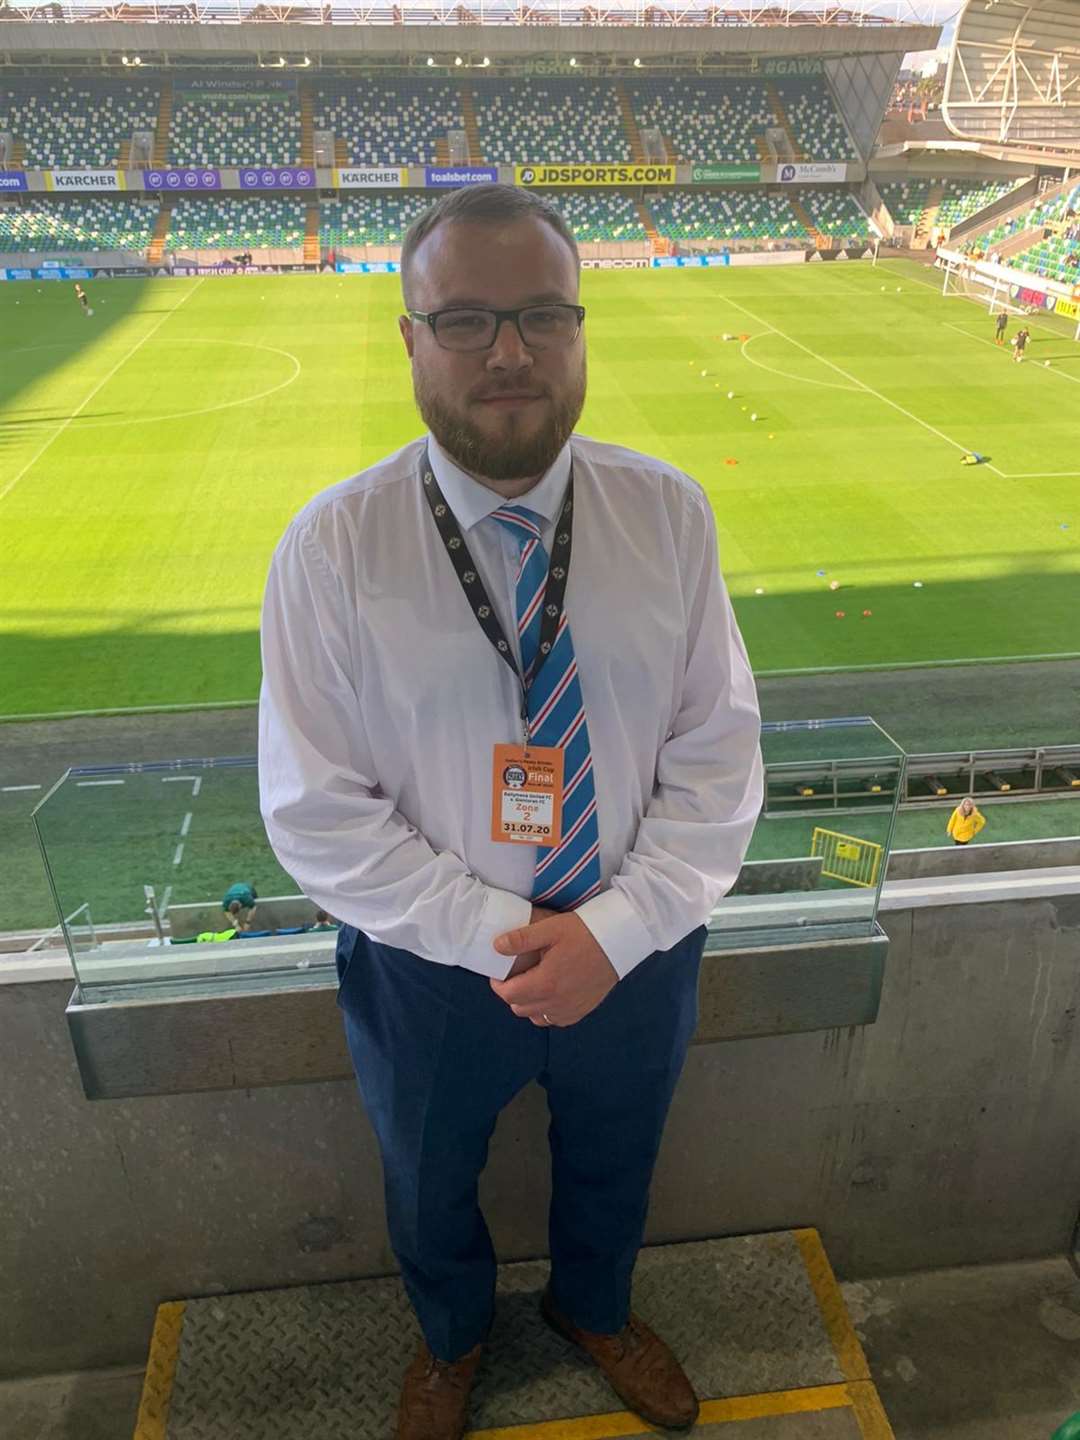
[(963, 279), (973, 281)]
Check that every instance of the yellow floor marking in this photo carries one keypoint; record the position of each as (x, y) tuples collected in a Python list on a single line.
[(160, 1371), (857, 1393), (713, 1412)]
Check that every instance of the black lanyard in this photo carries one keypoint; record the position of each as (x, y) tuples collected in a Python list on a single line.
[(473, 585)]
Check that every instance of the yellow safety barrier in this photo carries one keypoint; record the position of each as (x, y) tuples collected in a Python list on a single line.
[(845, 857)]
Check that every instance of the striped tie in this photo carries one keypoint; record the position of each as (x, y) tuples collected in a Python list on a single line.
[(569, 874)]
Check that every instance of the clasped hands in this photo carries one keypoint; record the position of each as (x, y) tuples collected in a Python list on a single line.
[(560, 969)]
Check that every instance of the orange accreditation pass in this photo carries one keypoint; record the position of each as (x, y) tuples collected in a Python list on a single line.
[(526, 789)]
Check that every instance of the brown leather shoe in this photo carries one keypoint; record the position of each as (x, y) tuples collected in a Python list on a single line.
[(638, 1366), (435, 1396)]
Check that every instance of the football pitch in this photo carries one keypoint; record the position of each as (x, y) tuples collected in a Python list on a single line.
[(152, 454)]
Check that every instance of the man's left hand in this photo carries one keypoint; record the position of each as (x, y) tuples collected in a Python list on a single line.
[(571, 979)]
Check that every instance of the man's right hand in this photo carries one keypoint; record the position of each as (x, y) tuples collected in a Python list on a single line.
[(531, 957)]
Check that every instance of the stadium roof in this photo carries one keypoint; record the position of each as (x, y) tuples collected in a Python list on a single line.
[(520, 13), (1014, 76), (406, 32)]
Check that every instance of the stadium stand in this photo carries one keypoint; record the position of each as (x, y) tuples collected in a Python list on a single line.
[(705, 119), (200, 223), (389, 122), (76, 122), (905, 199), (965, 197), (86, 223), (600, 217), (815, 122), (1055, 258), (369, 219), (215, 129), (725, 215), (835, 212), (529, 121), (1040, 215), (383, 219)]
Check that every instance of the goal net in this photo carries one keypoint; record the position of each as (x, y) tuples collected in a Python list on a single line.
[(987, 290)]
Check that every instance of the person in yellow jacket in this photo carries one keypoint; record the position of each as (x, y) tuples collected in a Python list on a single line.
[(965, 822)]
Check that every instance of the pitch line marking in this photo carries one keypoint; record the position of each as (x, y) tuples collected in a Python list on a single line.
[(983, 341), (188, 414), (81, 783), (10, 789), (10, 486), (1033, 474), (186, 826), (179, 854), (212, 706), (1027, 318), (919, 664), (847, 376), (828, 384)]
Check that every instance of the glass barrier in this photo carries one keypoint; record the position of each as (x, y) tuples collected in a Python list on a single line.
[(141, 858), (820, 849)]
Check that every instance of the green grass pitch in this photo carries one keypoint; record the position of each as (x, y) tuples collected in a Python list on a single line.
[(151, 455)]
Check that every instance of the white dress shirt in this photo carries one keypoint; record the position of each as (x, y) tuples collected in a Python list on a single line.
[(382, 700)]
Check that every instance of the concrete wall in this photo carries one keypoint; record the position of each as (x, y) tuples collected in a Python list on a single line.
[(943, 1134), (975, 858)]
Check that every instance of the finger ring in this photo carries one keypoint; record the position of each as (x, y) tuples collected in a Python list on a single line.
[(544, 1015)]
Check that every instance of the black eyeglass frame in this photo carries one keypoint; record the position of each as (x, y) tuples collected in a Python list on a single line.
[(431, 317)]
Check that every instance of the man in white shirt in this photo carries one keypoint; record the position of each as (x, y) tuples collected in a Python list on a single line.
[(510, 737)]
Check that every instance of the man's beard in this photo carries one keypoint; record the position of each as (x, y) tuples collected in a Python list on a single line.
[(517, 456)]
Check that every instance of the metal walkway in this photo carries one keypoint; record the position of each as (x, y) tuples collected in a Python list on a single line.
[(758, 1323)]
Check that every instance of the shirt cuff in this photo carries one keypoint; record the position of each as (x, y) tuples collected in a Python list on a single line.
[(618, 931), (503, 911)]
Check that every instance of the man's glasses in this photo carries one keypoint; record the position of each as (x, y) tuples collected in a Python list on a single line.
[(541, 327)]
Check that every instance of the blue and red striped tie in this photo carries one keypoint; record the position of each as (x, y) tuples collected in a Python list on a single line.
[(569, 874)]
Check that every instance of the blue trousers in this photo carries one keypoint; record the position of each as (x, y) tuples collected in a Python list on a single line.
[(438, 1055)]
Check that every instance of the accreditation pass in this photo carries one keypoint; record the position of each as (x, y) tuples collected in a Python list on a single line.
[(527, 787)]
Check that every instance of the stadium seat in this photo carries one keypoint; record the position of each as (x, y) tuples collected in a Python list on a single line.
[(725, 215), (1054, 259), (815, 122), (1048, 257), (835, 212), (384, 122), (705, 119), (215, 223), (964, 197), (905, 199), (217, 129), (530, 121), (86, 223), (76, 122), (600, 217), (369, 219)]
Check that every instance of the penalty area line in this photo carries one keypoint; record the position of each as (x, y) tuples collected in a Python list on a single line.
[(869, 389), (10, 486)]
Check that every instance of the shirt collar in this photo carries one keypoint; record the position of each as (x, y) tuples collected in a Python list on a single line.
[(472, 502)]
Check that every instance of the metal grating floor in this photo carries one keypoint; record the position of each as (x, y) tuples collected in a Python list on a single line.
[(757, 1322)]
